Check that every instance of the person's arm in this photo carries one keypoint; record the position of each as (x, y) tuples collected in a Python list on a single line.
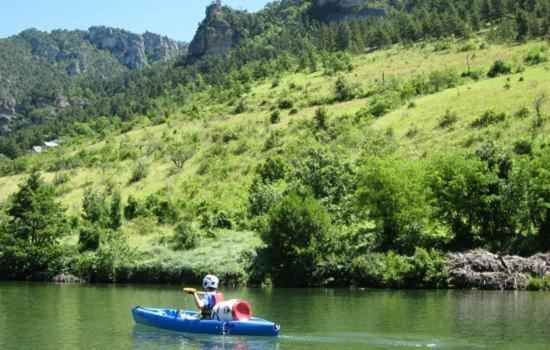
[(198, 300)]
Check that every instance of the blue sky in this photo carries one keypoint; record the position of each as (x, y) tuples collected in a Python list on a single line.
[(177, 19)]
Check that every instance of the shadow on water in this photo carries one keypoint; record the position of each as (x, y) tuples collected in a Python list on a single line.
[(151, 338)]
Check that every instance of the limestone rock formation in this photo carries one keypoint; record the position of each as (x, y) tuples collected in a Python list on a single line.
[(484, 270), (214, 36), (134, 50)]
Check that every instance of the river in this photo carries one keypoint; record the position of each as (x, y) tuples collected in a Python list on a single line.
[(52, 316)]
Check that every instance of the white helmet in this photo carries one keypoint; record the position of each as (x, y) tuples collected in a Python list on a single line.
[(210, 281)]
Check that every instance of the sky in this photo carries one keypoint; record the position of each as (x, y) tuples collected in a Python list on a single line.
[(177, 19)]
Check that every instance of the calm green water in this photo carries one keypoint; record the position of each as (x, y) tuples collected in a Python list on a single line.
[(49, 316)]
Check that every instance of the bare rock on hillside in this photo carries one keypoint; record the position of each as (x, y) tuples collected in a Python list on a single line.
[(214, 36)]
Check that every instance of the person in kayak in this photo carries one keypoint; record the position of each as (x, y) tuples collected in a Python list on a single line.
[(206, 300)]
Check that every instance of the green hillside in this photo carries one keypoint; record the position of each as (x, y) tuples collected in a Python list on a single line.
[(346, 166)]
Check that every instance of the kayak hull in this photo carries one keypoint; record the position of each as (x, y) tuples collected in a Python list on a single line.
[(170, 320)]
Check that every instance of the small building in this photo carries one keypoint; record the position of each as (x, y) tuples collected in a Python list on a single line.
[(51, 144)]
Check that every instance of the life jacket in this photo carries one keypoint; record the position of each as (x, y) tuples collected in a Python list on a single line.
[(213, 299)]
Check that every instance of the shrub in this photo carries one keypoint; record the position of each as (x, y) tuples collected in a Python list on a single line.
[(132, 208), (89, 237), (489, 117), (139, 172), (216, 218), (285, 103), (293, 110), (381, 104), (474, 74), (499, 67), (397, 270), (343, 91), (368, 270), (522, 112), (535, 283), (321, 118), (275, 117), (429, 269), (448, 119), (185, 236), (535, 56), (524, 147)]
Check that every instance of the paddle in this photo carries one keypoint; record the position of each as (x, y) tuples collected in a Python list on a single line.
[(189, 290)]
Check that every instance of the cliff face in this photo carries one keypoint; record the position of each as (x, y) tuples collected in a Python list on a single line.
[(347, 10), (214, 36), (134, 50)]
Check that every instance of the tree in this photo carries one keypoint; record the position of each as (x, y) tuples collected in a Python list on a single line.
[(35, 215), (296, 236), (343, 36), (115, 213), (321, 118), (522, 25), (390, 192), (95, 208), (28, 240), (181, 152), (343, 91)]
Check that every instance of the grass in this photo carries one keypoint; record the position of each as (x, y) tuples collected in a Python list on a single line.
[(220, 172)]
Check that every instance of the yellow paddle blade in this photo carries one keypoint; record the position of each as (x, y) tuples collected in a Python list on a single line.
[(189, 290)]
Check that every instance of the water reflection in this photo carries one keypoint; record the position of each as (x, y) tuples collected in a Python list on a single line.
[(151, 338)]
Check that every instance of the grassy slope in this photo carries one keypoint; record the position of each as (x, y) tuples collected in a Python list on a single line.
[(221, 172)]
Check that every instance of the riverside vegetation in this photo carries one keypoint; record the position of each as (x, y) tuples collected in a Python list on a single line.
[(310, 153)]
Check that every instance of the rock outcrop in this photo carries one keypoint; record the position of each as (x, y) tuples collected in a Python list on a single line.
[(134, 50), (484, 270), (214, 36), (347, 10), (7, 114)]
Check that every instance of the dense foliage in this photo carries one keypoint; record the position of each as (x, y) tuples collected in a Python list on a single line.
[(325, 215)]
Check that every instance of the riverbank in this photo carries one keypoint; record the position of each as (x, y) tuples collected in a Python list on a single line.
[(239, 265)]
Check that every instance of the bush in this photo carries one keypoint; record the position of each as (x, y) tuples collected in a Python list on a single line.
[(139, 172), (132, 208), (474, 74), (381, 104), (285, 103), (523, 147), (499, 67), (535, 56), (275, 117), (293, 111), (343, 91), (321, 118), (368, 270), (397, 271), (185, 236), (489, 117), (89, 237), (448, 119), (429, 269), (523, 112)]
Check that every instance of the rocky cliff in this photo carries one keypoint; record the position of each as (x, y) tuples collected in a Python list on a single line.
[(134, 50), (346, 10), (484, 270), (215, 34)]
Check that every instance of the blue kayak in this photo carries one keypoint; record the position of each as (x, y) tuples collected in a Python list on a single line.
[(171, 320)]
